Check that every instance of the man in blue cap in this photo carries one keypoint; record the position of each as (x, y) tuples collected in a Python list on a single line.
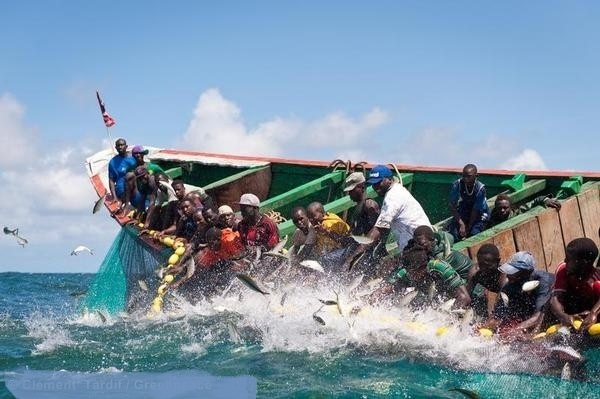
[(400, 212)]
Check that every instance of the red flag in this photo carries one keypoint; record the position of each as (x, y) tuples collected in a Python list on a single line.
[(108, 120)]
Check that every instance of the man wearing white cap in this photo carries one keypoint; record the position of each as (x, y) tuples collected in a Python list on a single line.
[(227, 219), (256, 230), (366, 211), (525, 298)]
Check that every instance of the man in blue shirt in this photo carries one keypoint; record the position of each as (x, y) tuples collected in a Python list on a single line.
[(117, 169), (468, 205)]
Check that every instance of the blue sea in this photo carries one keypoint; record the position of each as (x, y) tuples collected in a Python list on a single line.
[(272, 340)]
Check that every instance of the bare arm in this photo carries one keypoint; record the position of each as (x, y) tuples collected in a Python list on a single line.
[(559, 310)]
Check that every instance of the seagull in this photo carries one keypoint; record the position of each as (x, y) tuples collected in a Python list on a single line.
[(81, 249)]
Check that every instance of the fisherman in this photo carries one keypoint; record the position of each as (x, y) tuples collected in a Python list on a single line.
[(401, 213), (304, 237), (503, 209), (257, 231), (142, 194), (468, 205), (485, 280), (227, 218), (366, 210), (117, 170), (428, 276), (439, 246), (521, 310), (172, 214), (138, 152), (576, 291), (332, 235), (215, 266)]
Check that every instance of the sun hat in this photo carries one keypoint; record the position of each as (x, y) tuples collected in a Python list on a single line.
[(353, 180), (249, 199)]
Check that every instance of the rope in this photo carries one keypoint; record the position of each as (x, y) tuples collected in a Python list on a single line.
[(397, 172), (275, 216)]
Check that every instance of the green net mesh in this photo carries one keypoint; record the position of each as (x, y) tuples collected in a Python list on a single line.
[(126, 280)]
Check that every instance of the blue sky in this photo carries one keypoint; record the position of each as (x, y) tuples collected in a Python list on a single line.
[(501, 84)]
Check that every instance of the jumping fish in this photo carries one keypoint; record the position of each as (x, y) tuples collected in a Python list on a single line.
[(79, 249), (234, 333), (312, 264), (318, 319), (328, 303), (190, 267), (250, 283), (565, 373), (432, 291), (9, 231), (283, 298), (408, 298), (98, 204), (504, 298), (355, 283), (362, 239), (143, 285), (101, 315), (15, 232)]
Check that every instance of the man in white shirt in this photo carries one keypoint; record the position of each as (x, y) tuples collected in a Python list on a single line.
[(400, 212)]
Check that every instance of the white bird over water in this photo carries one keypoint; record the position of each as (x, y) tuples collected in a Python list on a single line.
[(81, 249)]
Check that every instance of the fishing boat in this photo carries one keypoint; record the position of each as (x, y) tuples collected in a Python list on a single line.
[(127, 275)]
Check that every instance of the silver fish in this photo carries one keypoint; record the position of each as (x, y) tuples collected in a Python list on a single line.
[(98, 204), (283, 298), (101, 315), (328, 302), (530, 285), (337, 302), (21, 241), (79, 249), (143, 285), (408, 298), (362, 239), (190, 267), (250, 283), (312, 264), (355, 283), (565, 373), (318, 319), (504, 298), (432, 291), (234, 333)]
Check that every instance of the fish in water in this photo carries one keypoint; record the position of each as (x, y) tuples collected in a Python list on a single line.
[(234, 333), (467, 392), (318, 319), (565, 373), (98, 204), (283, 298), (247, 280), (101, 315), (313, 264), (21, 241), (143, 285), (504, 298), (79, 249)]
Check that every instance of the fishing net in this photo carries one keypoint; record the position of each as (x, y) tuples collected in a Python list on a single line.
[(126, 279)]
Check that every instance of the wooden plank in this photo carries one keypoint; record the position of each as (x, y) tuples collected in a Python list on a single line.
[(505, 243), (528, 238), (550, 230), (589, 208), (570, 220)]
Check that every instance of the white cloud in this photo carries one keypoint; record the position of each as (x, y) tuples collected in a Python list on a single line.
[(528, 159), (16, 139), (437, 146), (218, 126)]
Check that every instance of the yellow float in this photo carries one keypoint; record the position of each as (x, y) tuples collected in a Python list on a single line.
[(180, 250), (485, 332), (173, 259), (168, 278), (594, 329)]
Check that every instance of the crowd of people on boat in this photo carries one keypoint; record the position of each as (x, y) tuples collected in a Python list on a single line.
[(515, 298)]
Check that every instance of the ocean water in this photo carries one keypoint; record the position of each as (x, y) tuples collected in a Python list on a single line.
[(377, 353)]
